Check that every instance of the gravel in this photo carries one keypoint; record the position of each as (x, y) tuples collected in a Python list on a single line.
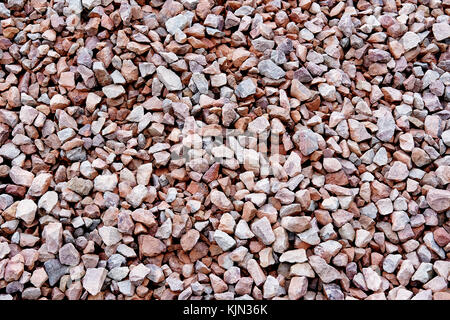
[(249, 150)]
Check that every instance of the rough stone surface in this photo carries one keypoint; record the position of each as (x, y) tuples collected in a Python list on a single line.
[(245, 150)]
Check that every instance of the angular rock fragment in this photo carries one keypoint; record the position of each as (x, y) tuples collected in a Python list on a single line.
[(93, 280), (169, 78)]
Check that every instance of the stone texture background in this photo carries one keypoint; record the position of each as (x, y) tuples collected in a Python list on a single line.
[(111, 185)]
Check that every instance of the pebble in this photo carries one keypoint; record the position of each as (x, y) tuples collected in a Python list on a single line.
[(263, 230), (245, 88), (26, 210), (93, 280), (169, 78)]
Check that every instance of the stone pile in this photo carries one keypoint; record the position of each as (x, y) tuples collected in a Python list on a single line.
[(333, 182)]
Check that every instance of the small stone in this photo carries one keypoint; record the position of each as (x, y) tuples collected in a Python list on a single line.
[(26, 210), (68, 255), (169, 78), (263, 230), (398, 171), (410, 40), (93, 280), (269, 69), (224, 241), (245, 88), (297, 288), (150, 246), (438, 199), (219, 199), (441, 31), (110, 235), (189, 239)]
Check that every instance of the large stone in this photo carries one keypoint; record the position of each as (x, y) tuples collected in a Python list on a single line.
[(137, 195), (297, 288), (296, 224), (55, 270), (300, 91), (48, 201), (80, 185), (105, 183), (52, 234), (189, 239), (372, 279), (144, 173), (306, 140), (410, 40)]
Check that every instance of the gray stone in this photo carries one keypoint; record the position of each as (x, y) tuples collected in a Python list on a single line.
[(269, 69), (55, 270), (169, 78), (263, 230), (245, 88), (391, 262)]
